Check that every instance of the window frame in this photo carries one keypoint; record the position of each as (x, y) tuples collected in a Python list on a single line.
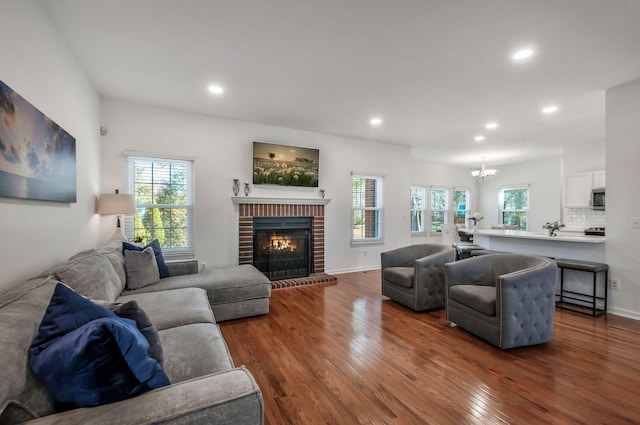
[(467, 208), (378, 208), (526, 210), (449, 212), (176, 253), (421, 212), (445, 211)]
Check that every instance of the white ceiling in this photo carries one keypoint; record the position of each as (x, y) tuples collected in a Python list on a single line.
[(435, 70)]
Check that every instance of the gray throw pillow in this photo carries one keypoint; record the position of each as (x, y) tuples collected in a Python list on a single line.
[(131, 310), (141, 268)]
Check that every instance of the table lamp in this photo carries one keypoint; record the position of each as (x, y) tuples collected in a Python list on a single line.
[(116, 204)]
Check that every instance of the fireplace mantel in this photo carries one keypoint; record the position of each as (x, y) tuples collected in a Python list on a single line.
[(279, 201)]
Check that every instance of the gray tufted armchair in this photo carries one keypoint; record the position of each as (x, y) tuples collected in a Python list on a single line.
[(414, 275), (505, 299)]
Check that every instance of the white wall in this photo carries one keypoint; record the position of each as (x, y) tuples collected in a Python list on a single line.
[(428, 174), (222, 149), (545, 180), (623, 202), (584, 157), (38, 66)]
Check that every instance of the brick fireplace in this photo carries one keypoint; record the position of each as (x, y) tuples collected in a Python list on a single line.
[(249, 208)]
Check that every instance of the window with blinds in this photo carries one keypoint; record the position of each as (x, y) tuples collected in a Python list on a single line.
[(366, 210), (163, 190)]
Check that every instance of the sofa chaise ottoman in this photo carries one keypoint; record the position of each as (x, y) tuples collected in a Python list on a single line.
[(234, 292)]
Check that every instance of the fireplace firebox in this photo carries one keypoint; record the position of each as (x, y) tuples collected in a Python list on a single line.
[(282, 246)]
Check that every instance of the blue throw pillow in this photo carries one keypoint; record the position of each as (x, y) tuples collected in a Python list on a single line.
[(157, 251), (85, 355)]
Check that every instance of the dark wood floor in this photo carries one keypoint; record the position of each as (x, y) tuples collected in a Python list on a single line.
[(344, 354)]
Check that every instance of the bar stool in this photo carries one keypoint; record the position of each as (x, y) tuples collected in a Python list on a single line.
[(569, 298)]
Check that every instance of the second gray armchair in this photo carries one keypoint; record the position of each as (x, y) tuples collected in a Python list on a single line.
[(414, 275), (505, 299)]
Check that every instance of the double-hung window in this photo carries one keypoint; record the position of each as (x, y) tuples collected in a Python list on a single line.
[(461, 198), (366, 209), (439, 207), (163, 191), (435, 206), (514, 206), (418, 208)]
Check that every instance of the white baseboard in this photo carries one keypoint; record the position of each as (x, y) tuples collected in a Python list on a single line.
[(353, 269), (624, 313)]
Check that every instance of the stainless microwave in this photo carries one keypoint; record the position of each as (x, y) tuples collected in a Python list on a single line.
[(598, 199)]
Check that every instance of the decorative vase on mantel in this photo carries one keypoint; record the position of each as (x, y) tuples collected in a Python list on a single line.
[(236, 187), (247, 189)]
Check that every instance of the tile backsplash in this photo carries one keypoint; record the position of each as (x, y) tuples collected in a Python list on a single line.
[(581, 218)]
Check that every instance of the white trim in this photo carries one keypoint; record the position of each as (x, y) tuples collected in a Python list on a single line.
[(352, 270), (515, 186), (623, 312), (361, 174), (128, 153), (291, 201)]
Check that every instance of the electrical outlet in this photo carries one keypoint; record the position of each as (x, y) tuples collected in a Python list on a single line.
[(615, 284), (203, 266)]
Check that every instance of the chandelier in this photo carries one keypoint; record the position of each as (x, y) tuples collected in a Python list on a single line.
[(483, 174)]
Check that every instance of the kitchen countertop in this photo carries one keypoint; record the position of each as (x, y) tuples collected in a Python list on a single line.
[(562, 236)]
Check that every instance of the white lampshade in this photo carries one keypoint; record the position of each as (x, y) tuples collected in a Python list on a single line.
[(116, 203)]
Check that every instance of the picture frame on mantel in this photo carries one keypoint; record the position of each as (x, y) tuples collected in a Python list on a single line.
[(37, 156)]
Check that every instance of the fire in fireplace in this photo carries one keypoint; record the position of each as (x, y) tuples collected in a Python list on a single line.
[(282, 246)]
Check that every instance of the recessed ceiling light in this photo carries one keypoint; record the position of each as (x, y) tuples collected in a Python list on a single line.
[(216, 89), (491, 125), (522, 54), (549, 109), (479, 138), (375, 121)]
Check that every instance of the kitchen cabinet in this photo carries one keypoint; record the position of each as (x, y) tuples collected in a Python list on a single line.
[(577, 190), (578, 187)]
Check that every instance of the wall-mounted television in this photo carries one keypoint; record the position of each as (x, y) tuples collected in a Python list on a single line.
[(285, 165)]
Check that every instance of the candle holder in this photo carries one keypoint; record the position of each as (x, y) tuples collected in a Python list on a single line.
[(236, 187), (247, 189)]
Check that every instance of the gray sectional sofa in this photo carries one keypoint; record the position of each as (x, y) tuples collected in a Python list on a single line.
[(206, 387)]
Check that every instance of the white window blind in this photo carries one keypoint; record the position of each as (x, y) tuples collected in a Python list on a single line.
[(163, 191), (367, 210)]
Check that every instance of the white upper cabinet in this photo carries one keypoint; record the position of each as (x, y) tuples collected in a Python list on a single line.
[(577, 190), (578, 187)]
